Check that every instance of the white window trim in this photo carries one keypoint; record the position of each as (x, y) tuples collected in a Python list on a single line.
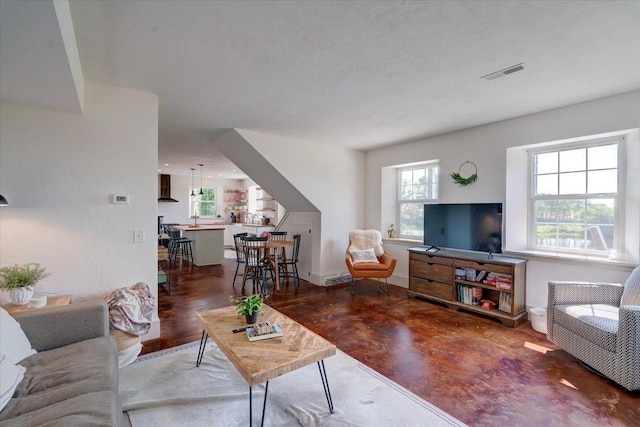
[(193, 199), (515, 239), (618, 233), (398, 171)]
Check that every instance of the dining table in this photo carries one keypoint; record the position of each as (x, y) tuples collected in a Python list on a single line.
[(272, 256)]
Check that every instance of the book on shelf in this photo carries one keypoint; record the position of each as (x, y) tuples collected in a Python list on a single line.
[(271, 331), (504, 304), (470, 295), (471, 274), (476, 295), (499, 280), (481, 276)]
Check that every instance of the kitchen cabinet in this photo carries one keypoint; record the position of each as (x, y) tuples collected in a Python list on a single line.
[(207, 243), (228, 236)]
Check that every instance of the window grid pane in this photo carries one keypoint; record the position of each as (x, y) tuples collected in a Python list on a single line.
[(417, 186), (203, 206), (573, 160), (547, 184), (573, 183), (603, 157), (547, 163), (574, 204), (602, 181)]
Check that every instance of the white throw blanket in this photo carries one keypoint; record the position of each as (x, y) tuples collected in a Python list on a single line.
[(131, 309), (366, 239)]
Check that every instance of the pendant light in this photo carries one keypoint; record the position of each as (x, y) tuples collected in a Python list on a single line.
[(193, 193), (201, 165), (3, 201)]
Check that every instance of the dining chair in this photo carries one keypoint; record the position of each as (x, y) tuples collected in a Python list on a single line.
[(239, 255), (256, 265), (279, 236), (289, 266)]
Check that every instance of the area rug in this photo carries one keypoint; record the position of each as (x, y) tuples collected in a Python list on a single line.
[(166, 389)]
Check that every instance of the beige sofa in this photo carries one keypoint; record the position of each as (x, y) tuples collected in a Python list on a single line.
[(72, 380)]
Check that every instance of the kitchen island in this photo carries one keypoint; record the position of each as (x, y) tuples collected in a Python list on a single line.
[(208, 243)]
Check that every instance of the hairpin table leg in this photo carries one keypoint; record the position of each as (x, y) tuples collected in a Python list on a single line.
[(264, 404), (325, 384), (203, 345)]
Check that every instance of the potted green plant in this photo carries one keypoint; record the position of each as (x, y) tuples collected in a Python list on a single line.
[(249, 307), (19, 281)]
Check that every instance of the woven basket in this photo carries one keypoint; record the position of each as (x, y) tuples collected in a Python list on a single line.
[(123, 339), (21, 296)]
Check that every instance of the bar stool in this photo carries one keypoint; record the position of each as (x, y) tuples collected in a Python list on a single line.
[(179, 246)]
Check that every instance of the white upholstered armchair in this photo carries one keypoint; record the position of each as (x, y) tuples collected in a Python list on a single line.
[(599, 324)]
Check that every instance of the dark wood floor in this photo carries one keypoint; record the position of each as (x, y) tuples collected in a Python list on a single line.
[(472, 367)]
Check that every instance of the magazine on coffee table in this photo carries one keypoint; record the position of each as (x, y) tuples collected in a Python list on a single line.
[(263, 331)]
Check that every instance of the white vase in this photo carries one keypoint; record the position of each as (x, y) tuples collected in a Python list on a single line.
[(21, 296)]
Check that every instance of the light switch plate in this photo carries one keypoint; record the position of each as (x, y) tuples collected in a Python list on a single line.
[(138, 236)]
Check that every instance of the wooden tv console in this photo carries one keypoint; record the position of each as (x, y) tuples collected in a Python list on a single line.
[(464, 280)]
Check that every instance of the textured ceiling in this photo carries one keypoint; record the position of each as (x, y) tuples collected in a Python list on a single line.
[(352, 73)]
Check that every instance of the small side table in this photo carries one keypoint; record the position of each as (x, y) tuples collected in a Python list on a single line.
[(52, 301)]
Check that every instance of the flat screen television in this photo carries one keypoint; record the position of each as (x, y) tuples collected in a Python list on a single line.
[(468, 226)]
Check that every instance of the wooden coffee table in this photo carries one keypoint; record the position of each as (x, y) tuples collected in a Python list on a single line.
[(297, 347)]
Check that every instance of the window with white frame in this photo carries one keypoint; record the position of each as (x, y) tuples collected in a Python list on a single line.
[(417, 185), (203, 205), (575, 197)]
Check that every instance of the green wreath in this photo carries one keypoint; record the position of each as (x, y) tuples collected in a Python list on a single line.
[(460, 180)]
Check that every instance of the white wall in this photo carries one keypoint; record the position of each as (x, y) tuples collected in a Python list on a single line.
[(487, 146), (178, 213), (331, 178), (58, 170)]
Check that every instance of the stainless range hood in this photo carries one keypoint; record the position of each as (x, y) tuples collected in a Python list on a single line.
[(165, 190)]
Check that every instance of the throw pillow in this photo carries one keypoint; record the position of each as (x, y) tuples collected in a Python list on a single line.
[(367, 255), (13, 342), (10, 377)]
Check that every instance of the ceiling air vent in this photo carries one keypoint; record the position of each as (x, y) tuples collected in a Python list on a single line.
[(502, 73)]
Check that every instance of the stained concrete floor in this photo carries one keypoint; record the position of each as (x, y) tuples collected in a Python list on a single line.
[(472, 367)]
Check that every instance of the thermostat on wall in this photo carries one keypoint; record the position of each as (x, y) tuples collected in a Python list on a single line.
[(120, 198)]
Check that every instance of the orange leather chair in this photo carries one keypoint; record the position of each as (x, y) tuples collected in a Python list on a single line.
[(364, 263)]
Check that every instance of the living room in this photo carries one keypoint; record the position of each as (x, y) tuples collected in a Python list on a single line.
[(68, 143)]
